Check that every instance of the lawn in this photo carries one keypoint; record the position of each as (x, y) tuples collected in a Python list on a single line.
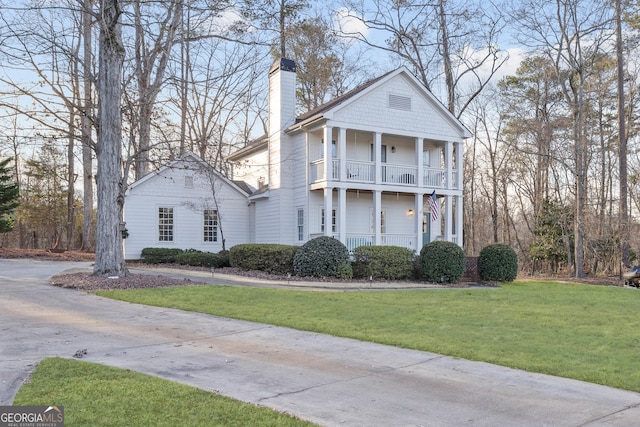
[(93, 394), (586, 332)]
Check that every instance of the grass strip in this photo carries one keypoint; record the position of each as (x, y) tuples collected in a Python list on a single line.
[(571, 330), (97, 395)]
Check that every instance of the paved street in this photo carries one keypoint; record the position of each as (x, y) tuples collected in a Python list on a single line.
[(331, 381)]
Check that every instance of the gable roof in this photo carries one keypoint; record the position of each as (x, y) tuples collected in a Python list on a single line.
[(325, 110), (339, 100), (188, 156)]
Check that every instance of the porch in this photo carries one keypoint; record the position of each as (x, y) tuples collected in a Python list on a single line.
[(364, 157), (398, 174), (383, 218)]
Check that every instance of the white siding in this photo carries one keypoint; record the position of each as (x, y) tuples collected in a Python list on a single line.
[(372, 110), (167, 189)]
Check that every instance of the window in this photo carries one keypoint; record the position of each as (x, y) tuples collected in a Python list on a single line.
[(334, 152), (383, 225), (210, 225), (165, 224), (333, 221), (188, 181), (300, 224), (383, 153)]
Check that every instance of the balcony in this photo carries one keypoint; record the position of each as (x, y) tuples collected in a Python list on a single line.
[(396, 174)]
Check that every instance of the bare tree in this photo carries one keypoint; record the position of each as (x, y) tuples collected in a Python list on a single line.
[(572, 34), (110, 182), (447, 40)]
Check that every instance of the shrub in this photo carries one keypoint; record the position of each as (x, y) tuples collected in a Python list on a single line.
[(442, 261), (272, 258), (345, 271), (386, 262), (321, 257), (159, 255), (201, 259), (498, 263)]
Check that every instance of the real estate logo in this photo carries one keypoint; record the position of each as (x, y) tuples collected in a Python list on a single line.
[(31, 416)]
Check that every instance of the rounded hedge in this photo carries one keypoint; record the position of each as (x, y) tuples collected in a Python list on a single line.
[(442, 261), (498, 263), (383, 262), (322, 257), (203, 259), (270, 257)]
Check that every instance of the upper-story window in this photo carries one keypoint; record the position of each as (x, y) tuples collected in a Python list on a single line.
[(334, 152)]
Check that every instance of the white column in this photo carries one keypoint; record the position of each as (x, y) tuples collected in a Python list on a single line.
[(377, 217), (459, 221), (448, 218), (448, 161), (342, 215), (342, 153), (377, 156), (328, 207), (418, 212), (419, 158), (459, 164), (328, 160)]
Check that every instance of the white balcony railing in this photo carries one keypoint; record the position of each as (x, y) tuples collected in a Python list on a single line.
[(398, 174), (364, 172)]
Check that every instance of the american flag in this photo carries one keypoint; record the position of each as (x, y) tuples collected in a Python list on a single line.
[(433, 204)]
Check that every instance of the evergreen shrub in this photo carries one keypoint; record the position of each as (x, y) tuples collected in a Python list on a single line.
[(159, 255), (383, 262), (202, 259), (442, 261), (498, 263), (322, 257), (269, 257)]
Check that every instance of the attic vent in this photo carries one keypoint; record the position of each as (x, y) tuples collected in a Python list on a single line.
[(399, 102)]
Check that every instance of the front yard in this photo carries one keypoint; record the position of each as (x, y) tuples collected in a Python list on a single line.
[(572, 330)]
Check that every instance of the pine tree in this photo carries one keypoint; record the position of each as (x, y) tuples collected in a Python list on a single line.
[(8, 196)]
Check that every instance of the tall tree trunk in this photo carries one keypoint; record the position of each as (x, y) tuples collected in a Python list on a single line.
[(88, 232), (109, 251), (71, 179), (622, 146)]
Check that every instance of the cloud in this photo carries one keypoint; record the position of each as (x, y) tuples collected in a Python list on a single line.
[(348, 22)]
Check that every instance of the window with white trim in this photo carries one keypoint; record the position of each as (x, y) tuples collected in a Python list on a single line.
[(210, 225), (300, 222), (383, 225), (333, 221), (165, 224)]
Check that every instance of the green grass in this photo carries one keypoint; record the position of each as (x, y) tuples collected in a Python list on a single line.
[(93, 395), (586, 332)]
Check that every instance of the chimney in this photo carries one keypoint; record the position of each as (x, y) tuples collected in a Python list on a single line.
[(282, 96)]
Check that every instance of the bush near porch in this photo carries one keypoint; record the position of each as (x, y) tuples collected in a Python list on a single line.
[(383, 262), (269, 257)]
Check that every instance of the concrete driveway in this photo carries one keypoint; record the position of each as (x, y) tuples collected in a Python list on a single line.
[(327, 380)]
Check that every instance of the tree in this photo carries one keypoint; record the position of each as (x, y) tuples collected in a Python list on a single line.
[(152, 53), (9, 194), (110, 183), (278, 14), (572, 34), (446, 40)]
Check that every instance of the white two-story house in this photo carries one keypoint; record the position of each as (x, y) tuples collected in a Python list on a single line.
[(368, 168)]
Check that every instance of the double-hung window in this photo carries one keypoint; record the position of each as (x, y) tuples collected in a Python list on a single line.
[(210, 225), (323, 221), (165, 224)]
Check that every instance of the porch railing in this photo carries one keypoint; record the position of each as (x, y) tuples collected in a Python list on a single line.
[(354, 240), (364, 172)]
